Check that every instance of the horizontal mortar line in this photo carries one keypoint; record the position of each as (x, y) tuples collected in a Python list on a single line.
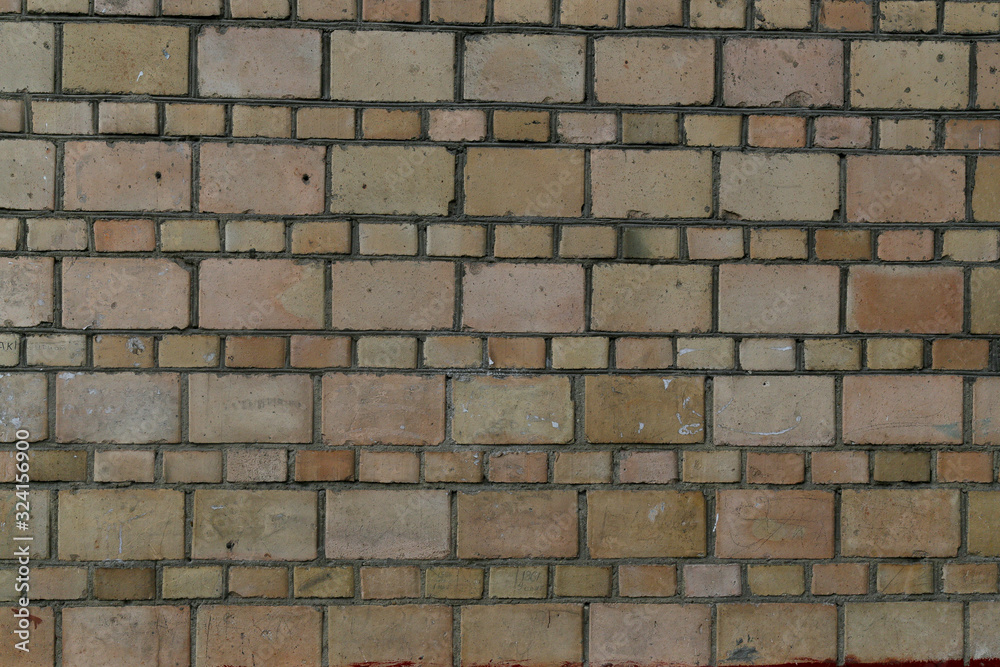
[(495, 372)]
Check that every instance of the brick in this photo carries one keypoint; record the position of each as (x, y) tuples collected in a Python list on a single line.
[(144, 176), (194, 119), (519, 582), (259, 62), (884, 409), (195, 235), (132, 635), (389, 287), (333, 237), (706, 353), (983, 507), (28, 55), (638, 524), (232, 174), (521, 126), (526, 524), (125, 50), (192, 467), (102, 524), (59, 583), (282, 294), (118, 407), (523, 298), (648, 468), (456, 124), (371, 62), (776, 131), (254, 525), (118, 293), (524, 68), (60, 117), (780, 633), (969, 577), (453, 466), (453, 352), (650, 128), (957, 354), (582, 468), (985, 415), (529, 241), (323, 582), (456, 583), (58, 465), (26, 291), (126, 118), (194, 351), (250, 408), (124, 235), (711, 467), (987, 80), (760, 186), (388, 467), (843, 244), (895, 353), (906, 133), (714, 14), (773, 468), (779, 299), (520, 352), (257, 465), (389, 634), (124, 466), (324, 466), (767, 354), (774, 524), (324, 123), (530, 634), (258, 582), (880, 188), (41, 649), (12, 116), (57, 234), (843, 131), (919, 631), (923, 300), (582, 581), (651, 184), (526, 410), (779, 244), (293, 634), (900, 523), (402, 179), (458, 11), (644, 634), (255, 235), (845, 467), (524, 182), (783, 14), (840, 579), (774, 410), (134, 583), (910, 16), (972, 134), (654, 70), (905, 578), (983, 641), (384, 583), (327, 10), (847, 15), (587, 128), (715, 243), (909, 75), (647, 580), (985, 309), (28, 178), (633, 409), (518, 467), (971, 245), (387, 351), (711, 581), (10, 508), (964, 467), (653, 13), (523, 11), (633, 297), (387, 524), (395, 124), (986, 194), (783, 72)]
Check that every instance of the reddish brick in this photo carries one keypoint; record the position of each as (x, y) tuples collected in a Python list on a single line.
[(524, 524), (900, 523), (644, 634), (840, 579), (844, 131), (519, 352), (291, 635), (903, 299), (258, 178), (648, 409), (124, 235), (965, 467), (523, 297), (368, 409), (905, 188), (839, 467), (783, 72), (654, 70), (397, 295), (901, 409), (322, 466), (774, 524), (260, 294), (518, 467), (648, 468), (773, 468), (132, 635), (127, 176), (119, 293)]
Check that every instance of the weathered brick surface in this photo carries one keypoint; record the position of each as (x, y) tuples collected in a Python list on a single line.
[(383, 409), (774, 524)]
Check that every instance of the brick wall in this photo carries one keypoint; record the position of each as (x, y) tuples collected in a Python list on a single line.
[(390, 333)]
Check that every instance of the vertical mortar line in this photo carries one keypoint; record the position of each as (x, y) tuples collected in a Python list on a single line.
[(973, 74), (326, 64)]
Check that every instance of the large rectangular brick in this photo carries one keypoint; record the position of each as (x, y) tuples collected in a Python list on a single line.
[(522, 524), (392, 66), (646, 524), (984, 286), (133, 635), (905, 299), (259, 62), (43, 637), (384, 294), (525, 68), (27, 57), (779, 186), (260, 294), (651, 298), (26, 294), (127, 176), (896, 74), (125, 293), (369, 409), (986, 191), (651, 184), (523, 297), (121, 524), (783, 72), (532, 635), (27, 174), (777, 634), (900, 523), (908, 631), (646, 409), (902, 409), (268, 635), (774, 410), (367, 634), (986, 411), (254, 525), (387, 524), (526, 182), (23, 405), (984, 523), (135, 59), (11, 512), (529, 410), (905, 188), (259, 178), (754, 298), (118, 407), (654, 70), (405, 180), (644, 634), (250, 408), (774, 524)]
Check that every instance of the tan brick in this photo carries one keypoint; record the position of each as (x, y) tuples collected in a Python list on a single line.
[(647, 409), (648, 468), (57, 465), (654, 70), (458, 11), (969, 577), (904, 299), (391, 179), (771, 299), (387, 467), (390, 634), (882, 188), (512, 410), (651, 184), (840, 579), (11, 507), (323, 582), (634, 297), (839, 467), (523, 11), (647, 580), (125, 293), (773, 131), (774, 410), (761, 186), (134, 59), (582, 581), (250, 408), (524, 524), (775, 468), (523, 298), (457, 124), (909, 75), (327, 10), (124, 465), (587, 128), (124, 236), (767, 354), (900, 523), (710, 467), (254, 525), (324, 466), (987, 79), (412, 295), (582, 468), (27, 51), (118, 407), (324, 123), (718, 13), (642, 524), (293, 635), (267, 293), (521, 125), (781, 633), (143, 176), (887, 409), (528, 634), (42, 647), (518, 467), (232, 176), (844, 131), (774, 524), (522, 582), (711, 581), (132, 583), (104, 524), (387, 351), (257, 465), (370, 63), (192, 467), (524, 182), (524, 68), (27, 174), (194, 119), (643, 634), (59, 583), (905, 578), (385, 583), (258, 582), (387, 524), (132, 635), (26, 291), (57, 234), (983, 523), (259, 62), (456, 583), (783, 72), (919, 631), (910, 16)]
